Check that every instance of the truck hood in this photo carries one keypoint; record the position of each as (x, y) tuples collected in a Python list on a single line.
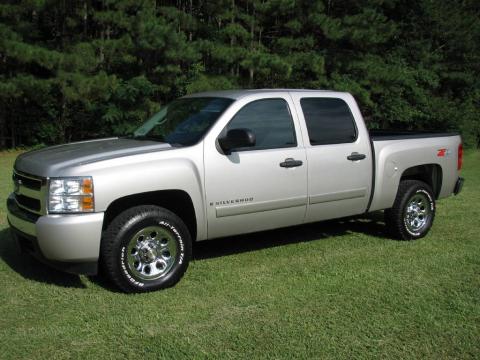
[(52, 160)]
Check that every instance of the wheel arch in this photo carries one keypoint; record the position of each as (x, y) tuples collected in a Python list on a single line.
[(177, 201), (431, 174)]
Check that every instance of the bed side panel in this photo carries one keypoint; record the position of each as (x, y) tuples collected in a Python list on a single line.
[(393, 157)]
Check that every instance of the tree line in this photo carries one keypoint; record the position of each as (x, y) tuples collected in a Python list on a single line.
[(77, 69)]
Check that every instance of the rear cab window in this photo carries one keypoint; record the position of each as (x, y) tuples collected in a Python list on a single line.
[(328, 120)]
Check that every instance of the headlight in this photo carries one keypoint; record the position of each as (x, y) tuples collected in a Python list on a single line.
[(68, 195)]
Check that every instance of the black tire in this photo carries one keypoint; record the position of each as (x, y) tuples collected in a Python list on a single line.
[(413, 211), (145, 238)]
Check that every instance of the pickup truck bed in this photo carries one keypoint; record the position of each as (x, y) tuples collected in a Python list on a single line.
[(401, 155)]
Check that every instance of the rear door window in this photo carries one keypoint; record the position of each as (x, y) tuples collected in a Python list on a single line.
[(328, 120)]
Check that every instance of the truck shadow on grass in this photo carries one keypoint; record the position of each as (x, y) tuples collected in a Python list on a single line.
[(370, 225), (30, 268)]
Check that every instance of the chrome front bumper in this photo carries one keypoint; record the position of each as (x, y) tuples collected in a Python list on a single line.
[(68, 242)]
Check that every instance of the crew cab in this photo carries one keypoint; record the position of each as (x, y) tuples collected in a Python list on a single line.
[(216, 164)]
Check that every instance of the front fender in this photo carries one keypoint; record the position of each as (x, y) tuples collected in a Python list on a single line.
[(177, 169)]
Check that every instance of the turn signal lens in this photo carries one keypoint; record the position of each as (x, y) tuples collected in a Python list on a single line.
[(87, 186), (87, 203)]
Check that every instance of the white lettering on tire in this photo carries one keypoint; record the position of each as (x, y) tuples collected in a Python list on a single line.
[(125, 271)]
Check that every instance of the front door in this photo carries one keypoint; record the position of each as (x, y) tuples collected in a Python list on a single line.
[(256, 188)]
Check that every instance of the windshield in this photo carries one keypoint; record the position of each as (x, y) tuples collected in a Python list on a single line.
[(183, 122)]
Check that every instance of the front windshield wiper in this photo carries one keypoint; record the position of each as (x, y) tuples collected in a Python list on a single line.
[(146, 137)]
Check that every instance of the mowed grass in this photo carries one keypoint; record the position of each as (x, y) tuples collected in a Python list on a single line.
[(338, 289)]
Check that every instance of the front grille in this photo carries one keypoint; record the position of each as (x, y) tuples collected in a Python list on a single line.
[(28, 203), (29, 192), (31, 183)]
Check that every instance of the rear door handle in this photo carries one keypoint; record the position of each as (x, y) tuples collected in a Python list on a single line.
[(288, 163), (356, 156)]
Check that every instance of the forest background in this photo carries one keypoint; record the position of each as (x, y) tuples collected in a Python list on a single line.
[(72, 70)]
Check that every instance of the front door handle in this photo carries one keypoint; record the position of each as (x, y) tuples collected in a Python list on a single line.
[(356, 156), (288, 163)]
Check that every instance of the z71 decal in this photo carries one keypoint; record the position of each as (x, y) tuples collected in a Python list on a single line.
[(443, 152)]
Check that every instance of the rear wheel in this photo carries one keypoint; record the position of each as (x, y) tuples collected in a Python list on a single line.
[(146, 248), (413, 211)]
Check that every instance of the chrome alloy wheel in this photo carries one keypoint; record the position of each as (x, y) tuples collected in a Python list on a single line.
[(418, 212), (151, 252)]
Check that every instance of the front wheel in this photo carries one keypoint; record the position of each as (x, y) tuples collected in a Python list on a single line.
[(413, 211), (146, 248)]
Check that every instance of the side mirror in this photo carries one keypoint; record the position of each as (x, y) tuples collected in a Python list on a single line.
[(236, 138)]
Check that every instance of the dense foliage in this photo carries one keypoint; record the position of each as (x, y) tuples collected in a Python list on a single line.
[(75, 69)]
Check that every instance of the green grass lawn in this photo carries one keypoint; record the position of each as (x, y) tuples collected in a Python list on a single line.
[(337, 289)]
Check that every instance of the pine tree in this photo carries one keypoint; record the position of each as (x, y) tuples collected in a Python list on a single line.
[(71, 70)]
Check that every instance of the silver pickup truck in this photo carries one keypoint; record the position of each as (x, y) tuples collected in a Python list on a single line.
[(216, 164)]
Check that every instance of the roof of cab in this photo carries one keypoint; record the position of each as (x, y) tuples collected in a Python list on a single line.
[(237, 94)]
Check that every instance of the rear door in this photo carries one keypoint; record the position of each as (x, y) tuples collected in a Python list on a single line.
[(338, 153), (249, 190)]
